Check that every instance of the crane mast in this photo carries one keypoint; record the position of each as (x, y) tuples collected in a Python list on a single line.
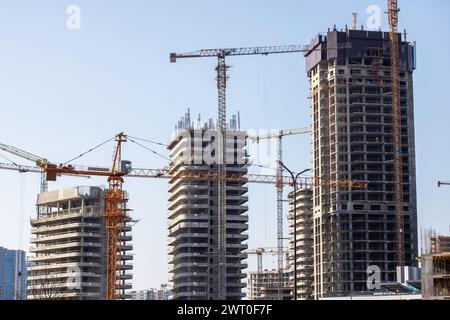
[(279, 186), (114, 219), (279, 183), (221, 170), (397, 129)]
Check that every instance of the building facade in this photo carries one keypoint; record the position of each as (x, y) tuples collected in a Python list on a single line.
[(13, 274), (350, 80), (69, 247), (193, 212)]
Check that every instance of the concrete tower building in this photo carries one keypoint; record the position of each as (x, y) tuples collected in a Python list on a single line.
[(193, 216), (350, 81), (69, 247), (304, 229)]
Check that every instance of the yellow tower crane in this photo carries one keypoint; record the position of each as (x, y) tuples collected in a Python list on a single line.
[(38, 161), (397, 129)]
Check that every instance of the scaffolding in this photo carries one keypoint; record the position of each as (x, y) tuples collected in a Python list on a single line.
[(436, 276), (441, 282)]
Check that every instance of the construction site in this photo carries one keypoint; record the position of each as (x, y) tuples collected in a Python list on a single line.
[(349, 218)]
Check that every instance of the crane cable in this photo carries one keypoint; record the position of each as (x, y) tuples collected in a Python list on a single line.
[(150, 141), (90, 150), (5, 157), (151, 150)]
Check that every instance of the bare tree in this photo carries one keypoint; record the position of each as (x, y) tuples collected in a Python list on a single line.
[(46, 286)]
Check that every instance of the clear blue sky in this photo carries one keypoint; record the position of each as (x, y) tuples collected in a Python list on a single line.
[(64, 91)]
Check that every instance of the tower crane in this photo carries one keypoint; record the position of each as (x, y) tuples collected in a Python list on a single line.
[(115, 209), (397, 129), (279, 185), (443, 183), (258, 252), (222, 77), (85, 171), (38, 161)]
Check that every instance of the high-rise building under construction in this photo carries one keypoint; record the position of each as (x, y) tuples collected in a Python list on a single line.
[(69, 247), (350, 79), (193, 211), (303, 226)]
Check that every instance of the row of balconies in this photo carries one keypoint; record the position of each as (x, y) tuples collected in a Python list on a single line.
[(185, 188), (183, 147), (174, 267), (180, 166), (189, 256), (185, 199), (64, 245), (203, 207), (54, 216), (171, 250), (64, 256), (64, 227), (63, 275), (190, 217), (204, 283), (62, 216), (48, 284), (65, 265), (65, 295), (184, 237), (43, 239), (182, 198)]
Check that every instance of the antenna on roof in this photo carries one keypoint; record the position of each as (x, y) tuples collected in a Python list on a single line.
[(354, 20), (239, 120)]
